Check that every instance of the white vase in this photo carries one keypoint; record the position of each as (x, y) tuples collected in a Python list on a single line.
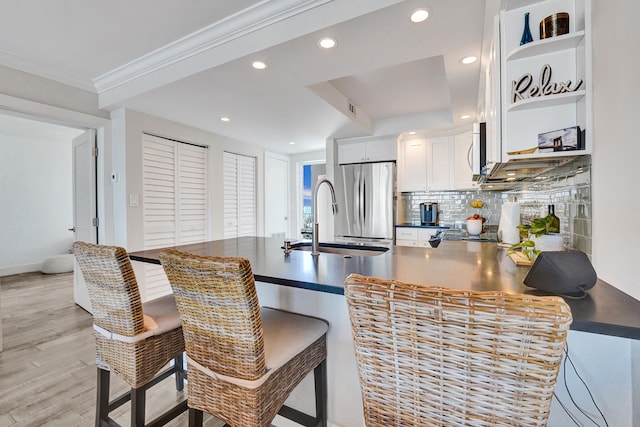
[(474, 227), (548, 242)]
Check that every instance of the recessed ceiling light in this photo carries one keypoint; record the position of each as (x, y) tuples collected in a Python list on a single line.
[(511, 174), (413, 132), (468, 60), (419, 15), (292, 143), (327, 42), (225, 119), (465, 116), (259, 65)]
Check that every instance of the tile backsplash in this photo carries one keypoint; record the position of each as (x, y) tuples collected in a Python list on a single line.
[(570, 193)]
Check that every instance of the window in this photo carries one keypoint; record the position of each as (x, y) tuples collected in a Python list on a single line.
[(310, 173)]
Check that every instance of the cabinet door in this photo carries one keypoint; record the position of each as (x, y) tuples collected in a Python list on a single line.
[(406, 236), (440, 165), (412, 165), (463, 173), (351, 153), (380, 150)]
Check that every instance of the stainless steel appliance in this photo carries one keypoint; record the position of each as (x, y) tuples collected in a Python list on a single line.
[(429, 213), (365, 196), (479, 150)]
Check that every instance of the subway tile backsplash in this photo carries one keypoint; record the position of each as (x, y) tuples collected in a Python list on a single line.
[(570, 193)]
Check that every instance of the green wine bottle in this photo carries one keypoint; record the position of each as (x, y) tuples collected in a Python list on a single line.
[(553, 220)]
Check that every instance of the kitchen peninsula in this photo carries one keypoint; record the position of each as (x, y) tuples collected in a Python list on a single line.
[(301, 283), (454, 264)]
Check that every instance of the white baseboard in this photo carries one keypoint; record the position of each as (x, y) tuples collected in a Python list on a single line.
[(23, 268)]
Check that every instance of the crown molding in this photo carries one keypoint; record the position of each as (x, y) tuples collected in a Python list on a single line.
[(233, 27)]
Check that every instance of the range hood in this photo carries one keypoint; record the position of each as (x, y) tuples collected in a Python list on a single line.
[(528, 170)]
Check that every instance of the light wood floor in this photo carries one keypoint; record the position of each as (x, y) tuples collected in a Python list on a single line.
[(47, 368)]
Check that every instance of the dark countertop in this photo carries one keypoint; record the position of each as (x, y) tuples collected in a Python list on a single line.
[(454, 264)]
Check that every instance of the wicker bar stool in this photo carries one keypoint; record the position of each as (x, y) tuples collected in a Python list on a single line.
[(133, 339), (430, 356), (243, 361)]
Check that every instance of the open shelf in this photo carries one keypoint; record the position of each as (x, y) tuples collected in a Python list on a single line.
[(550, 45), (547, 101)]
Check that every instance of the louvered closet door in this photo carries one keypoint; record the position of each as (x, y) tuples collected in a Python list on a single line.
[(174, 202), (239, 196), (192, 194)]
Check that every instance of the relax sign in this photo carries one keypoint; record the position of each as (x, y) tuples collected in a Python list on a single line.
[(524, 88)]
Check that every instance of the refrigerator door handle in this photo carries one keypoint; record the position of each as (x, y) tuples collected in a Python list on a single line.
[(356, 201), (364, 199)]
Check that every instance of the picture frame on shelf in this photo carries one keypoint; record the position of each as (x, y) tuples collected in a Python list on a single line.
[(567, 139)]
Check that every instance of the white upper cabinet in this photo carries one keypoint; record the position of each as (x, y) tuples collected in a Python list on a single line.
[(439, 163), (370, 150), (462, 168), (545, 84), (412, 165)]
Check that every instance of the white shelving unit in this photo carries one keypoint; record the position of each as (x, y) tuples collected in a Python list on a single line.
[(569, 57)]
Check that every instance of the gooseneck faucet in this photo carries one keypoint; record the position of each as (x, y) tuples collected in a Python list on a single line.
[(315, 244)]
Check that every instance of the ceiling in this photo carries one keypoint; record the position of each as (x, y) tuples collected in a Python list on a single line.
[(190, 62)]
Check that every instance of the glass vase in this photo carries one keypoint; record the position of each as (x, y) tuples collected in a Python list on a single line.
[(526, 34)]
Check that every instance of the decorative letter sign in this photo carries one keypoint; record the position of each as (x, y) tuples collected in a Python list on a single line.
[(522, 88)]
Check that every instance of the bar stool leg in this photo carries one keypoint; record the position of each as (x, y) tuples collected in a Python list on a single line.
[(180, 373), (195, 417), (137, 406), (102, 398), (320, 380)]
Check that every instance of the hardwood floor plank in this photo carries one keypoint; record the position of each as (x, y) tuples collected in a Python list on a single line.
[(47, 368)]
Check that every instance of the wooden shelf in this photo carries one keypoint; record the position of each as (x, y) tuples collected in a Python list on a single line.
[(550, 45), (547, 101)]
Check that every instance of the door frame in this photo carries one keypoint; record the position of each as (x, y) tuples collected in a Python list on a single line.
[(267, 156), (11, 105)]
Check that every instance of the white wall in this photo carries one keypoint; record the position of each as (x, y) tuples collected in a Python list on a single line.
[(128, 126), (616, 152), (37, 201)]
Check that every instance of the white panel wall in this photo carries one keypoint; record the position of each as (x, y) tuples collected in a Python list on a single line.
[(36, 206), (616, 153)]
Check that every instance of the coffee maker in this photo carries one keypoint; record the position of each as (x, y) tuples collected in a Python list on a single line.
[(428, 213)]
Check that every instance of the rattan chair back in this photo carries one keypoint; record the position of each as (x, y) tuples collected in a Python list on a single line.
[(112, 287), (220, 312), (429, 356)]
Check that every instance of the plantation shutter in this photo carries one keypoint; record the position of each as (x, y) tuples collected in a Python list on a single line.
[(174, 202), (239, 195)]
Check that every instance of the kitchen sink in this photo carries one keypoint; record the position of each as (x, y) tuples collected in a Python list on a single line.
[(342, 249)]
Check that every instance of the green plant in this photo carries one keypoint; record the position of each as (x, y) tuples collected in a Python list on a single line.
[(537, 228)]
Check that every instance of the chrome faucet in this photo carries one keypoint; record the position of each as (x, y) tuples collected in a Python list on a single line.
[(315, 244)]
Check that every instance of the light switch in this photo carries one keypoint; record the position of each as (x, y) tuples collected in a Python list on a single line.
[(134, 200)]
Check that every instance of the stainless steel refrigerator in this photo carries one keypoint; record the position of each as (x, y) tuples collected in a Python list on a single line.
[(365, 196)]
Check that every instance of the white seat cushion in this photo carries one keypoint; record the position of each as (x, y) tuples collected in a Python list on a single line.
[(287, 334), (161, 314)]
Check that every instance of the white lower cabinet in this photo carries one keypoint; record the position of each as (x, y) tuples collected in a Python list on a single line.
[(414, 236)]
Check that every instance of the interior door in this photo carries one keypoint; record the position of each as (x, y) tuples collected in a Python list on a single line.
[(276, 195), (85, 226)]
